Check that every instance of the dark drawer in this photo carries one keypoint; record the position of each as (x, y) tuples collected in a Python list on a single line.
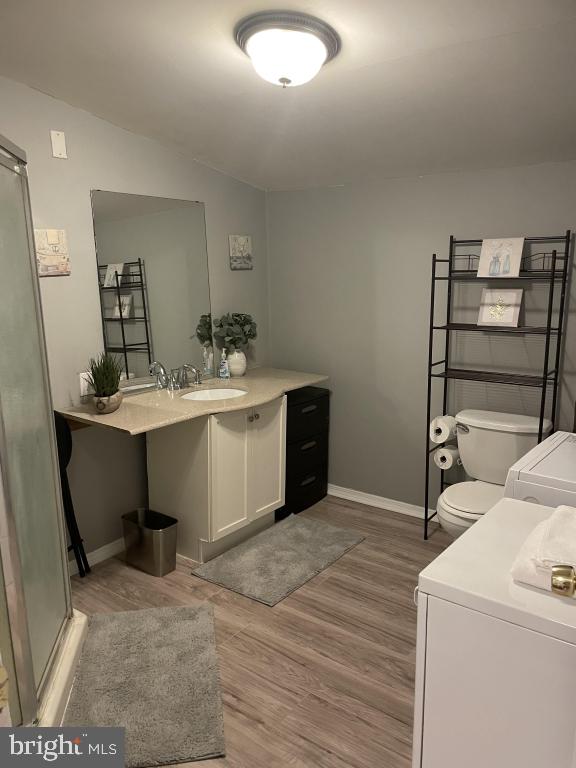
[(306, 489), (307, 453), (308, 419)]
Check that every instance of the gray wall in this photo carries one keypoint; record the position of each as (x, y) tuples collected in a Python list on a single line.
[(107, 470), (347, 290), (349, 296)]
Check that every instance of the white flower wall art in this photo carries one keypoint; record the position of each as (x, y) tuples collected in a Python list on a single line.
[(500, 306)]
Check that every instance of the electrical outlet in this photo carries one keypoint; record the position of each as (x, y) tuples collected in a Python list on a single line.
[(85, 388)]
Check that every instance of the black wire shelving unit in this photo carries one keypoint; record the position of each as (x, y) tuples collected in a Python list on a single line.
[(131, 280), (550, 267)]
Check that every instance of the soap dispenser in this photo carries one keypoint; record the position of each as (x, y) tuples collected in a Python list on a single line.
[(224, 371)]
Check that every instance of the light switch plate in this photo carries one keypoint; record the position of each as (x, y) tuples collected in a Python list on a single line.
[(58, 140)]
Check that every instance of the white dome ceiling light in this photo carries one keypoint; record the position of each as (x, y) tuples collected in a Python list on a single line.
[(287, 48)]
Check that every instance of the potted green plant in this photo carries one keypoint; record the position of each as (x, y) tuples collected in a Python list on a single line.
[(104, 378), (204, 336), (233, 332)]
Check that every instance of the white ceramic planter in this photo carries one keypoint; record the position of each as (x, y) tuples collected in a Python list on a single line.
[(237, 363), (108, 404)]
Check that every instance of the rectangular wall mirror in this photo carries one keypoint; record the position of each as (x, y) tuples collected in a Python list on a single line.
[(153, 278)]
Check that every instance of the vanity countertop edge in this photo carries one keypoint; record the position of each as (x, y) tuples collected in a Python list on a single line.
[(146, 411)]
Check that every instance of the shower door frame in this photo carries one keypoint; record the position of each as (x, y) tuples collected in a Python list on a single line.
[(28, 693)]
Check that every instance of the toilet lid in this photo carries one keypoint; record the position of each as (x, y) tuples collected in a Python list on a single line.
[(474, 496)]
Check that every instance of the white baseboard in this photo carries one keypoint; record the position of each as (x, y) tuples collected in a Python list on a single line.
[(380, 502), (59, 685), (108, 550)]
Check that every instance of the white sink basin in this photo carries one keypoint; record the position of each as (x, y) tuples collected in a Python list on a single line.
[(214, 394)]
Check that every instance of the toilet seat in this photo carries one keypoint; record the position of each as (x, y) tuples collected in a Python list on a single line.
[(462, 504), (473, 497)]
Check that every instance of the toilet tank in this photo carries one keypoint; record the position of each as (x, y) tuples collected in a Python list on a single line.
[(490, 442)]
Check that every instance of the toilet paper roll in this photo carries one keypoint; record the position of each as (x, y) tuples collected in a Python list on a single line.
[(442, 428), (446, 457)]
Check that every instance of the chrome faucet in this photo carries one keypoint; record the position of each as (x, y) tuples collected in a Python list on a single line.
[(163, 378), (177, 378), (196, 372)]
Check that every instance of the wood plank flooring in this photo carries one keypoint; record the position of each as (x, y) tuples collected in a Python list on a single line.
[(325, 678)]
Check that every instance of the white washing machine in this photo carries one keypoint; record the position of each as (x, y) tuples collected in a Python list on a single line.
[(495, 660), (546, 474)]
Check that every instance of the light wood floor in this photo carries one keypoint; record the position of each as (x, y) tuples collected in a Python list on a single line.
[(323, 679)]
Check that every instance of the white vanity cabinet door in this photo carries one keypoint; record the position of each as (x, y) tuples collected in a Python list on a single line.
[(247, 466), (496, 695), (229, 459), (267, 464)]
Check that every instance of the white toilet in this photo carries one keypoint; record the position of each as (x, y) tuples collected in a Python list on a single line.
[(489, 444)]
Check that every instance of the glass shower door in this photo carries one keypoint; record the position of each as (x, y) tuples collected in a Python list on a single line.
[(28, 469)]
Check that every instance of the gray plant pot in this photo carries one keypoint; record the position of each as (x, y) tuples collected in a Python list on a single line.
[(107, 404)]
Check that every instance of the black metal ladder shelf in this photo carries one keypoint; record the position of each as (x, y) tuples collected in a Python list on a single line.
[(131, 279), (549, 267)]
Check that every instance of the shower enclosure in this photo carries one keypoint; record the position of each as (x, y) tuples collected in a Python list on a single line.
[(34, 584)]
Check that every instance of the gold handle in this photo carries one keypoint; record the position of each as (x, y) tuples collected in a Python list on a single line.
[(563, 580)]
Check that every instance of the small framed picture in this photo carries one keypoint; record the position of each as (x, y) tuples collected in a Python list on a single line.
[(240, 252), (52, 252), (110, 276), (125, 304), (501, 257), (500, 307)]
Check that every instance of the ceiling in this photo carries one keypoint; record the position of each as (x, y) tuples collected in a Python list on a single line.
[(419, 87)]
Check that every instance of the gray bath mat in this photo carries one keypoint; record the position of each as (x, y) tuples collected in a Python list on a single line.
[(274, 563), (154, 672)]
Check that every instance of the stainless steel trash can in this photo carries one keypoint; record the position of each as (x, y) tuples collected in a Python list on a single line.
[(150, 540)]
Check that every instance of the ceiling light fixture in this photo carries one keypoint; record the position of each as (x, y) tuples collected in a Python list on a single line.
[(287, 48)]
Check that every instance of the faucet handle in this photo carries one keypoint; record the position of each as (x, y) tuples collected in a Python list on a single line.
[(175, 379), (158, 370), (194, 370)]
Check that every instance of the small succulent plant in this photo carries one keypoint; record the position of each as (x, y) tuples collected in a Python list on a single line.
[(104, 374)]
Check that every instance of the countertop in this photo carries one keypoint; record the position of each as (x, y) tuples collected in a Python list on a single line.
[(153, 409), (475, 572)]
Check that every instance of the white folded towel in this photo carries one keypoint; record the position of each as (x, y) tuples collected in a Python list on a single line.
[(552, 542), (525, 569), (558, 544)]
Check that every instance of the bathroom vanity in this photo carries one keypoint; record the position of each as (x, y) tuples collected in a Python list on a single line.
[(219, 474), (217, 465), (216, 451)]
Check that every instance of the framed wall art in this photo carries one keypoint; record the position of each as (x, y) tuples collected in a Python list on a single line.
[(125, 304), (501, 257), (52, 254), (500, 306), (110, 276), (240, 252)]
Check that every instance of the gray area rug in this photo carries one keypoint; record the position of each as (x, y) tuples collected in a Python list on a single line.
[(154, 672), (275, 562)]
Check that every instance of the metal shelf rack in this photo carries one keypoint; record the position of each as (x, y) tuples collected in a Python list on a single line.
[(550, 267), (131, 279)]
